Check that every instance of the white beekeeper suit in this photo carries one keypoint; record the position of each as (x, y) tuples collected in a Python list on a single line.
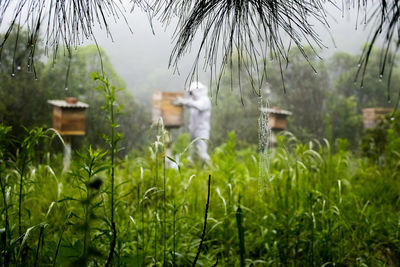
[(200, 112)]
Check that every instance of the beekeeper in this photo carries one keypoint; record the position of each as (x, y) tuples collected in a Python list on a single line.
[(200, 111)]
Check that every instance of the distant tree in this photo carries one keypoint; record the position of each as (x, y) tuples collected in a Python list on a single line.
[(347, 96), (23, 99), (305, 95), (234, 107), (374, 91), (71, 77), (382, 143), (253, 27), (326, 103), (231, 114), (342, 119)]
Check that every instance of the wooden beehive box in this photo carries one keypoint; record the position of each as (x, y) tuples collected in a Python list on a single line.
[(371, 116), (69, 116), (277, 121), (163, 107), (277, 118)]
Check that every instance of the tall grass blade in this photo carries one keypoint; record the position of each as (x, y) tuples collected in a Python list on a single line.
[(23, 241), (239, 221), (42, 226), (205, 222)]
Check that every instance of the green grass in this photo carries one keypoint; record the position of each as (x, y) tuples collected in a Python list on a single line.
[(317, 208), (317, 205)]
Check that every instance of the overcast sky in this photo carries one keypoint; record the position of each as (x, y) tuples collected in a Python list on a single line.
[(142, 58)]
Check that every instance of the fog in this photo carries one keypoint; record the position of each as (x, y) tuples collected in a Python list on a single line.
[(141, 58)]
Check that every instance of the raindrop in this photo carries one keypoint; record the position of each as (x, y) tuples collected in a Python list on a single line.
[(392, 118), (12, 74), (29, 66), (380, 76), (66, 88), (359, 65), (36, 79), (19, 68)]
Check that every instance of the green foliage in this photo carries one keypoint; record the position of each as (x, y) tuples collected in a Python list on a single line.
[(328, 102), (317, 207), (349, 96), (305, 95), (25, 93), (381, 142), (343, 119), (88, 182), (239, 219), (17, 178), (373, 91), (133, 121), (23, 97), (113, 138), (237, 109)]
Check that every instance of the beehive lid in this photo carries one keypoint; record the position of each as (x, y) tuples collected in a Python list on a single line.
[(65, 104), (277, 111), (378, 111)]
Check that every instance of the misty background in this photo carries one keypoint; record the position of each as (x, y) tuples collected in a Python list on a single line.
[(324, 105), (141, 58)]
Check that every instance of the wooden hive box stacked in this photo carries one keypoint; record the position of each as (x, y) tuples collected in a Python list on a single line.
[(69, 117), (371, 116), (163, 107)]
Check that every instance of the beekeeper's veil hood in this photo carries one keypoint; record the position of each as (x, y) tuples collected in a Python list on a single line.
[(197, 89)]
